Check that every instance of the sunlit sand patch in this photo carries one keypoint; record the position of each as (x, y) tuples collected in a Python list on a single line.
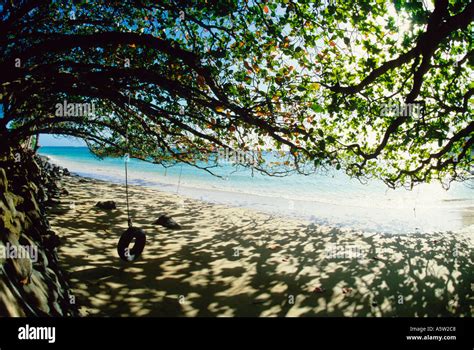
[(275, 258)]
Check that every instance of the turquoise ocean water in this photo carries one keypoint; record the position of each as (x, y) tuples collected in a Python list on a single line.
[(327, 199)]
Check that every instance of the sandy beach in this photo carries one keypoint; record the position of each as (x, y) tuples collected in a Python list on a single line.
[(228, 261)]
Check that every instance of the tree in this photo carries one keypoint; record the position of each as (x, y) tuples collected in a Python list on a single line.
[(321, 83)]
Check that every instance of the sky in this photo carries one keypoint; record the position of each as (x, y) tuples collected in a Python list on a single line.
[(60, 141)]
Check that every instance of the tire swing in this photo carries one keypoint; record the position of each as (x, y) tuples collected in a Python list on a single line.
[(131, 233)]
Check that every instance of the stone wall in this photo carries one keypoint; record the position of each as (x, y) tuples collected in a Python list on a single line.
[(31, 282)]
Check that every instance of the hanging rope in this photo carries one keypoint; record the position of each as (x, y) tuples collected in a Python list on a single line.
[(132, 233), (179, 180), (127, 157)]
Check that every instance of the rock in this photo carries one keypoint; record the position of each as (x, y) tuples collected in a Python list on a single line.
[(21, 269), (10, 305), (66, 172), (33, 284), (64, 192), (168, 222), (3, 181), (36, 293), (51, 242), (57, 309), (106, 205), (42, 262)]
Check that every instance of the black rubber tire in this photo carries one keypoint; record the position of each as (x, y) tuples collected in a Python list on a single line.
[(126, 239)]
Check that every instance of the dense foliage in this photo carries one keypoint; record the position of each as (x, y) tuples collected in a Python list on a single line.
[(321, 83)]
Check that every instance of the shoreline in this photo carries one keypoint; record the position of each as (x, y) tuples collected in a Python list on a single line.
[(231, 261), (390, 216)]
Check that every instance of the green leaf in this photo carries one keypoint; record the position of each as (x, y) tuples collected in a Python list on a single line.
[(317, 108)]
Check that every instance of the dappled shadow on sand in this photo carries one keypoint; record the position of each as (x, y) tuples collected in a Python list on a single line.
[(232, 262)]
